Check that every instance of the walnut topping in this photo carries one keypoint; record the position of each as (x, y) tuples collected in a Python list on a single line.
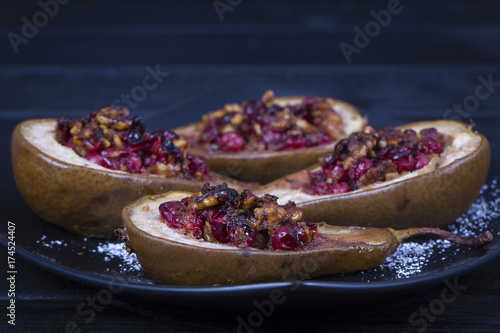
[(268, 96), (220, 214), (116, 140), (263, 125), (370, 156)]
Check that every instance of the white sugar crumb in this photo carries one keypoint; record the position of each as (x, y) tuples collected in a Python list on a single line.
[(117, 251), (52, 243), (412, 257)]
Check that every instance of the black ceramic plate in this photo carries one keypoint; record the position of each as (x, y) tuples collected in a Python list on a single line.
[(416, 265)]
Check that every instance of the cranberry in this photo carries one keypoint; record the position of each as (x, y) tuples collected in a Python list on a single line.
[(71, 144), (326, 139), (285, 238), (110, 158), (359, 167), (218, 223), (404, 148), (92, 146), (272, 139), (311, 103), (410, 134), (155, 145), (193, 223), (293, 143), (385, 153), (219, 231), (255, 107), (231, 141), (210, 133), (429, 133), (421, 161), (175, 215), (339, 174), (430, 146), (63, 128), (97, 159), (321, 188), (133, 163), (341, 187), (197, 164), (404, 163), (170, 212)]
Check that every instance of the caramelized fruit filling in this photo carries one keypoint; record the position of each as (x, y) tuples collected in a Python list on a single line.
[(220, 214), (369, 156), (264, 125), (117, 140)]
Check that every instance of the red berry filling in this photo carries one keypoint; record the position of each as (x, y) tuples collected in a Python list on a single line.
[(367, 157), (220, 214), (116, 140), (263, 125)]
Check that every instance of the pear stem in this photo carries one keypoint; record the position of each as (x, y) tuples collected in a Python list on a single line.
[(479, 241)]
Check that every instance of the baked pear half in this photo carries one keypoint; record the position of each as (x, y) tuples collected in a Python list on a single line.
[(214, 237), (431, 175), (71, 191), (263, 140)]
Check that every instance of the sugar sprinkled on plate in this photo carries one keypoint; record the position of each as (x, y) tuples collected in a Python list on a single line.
[(117, 251), (51, 243), (411, 257)]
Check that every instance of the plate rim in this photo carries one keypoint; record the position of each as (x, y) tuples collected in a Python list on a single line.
[(133, 287)]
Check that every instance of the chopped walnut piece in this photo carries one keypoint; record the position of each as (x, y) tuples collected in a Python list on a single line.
[(267, 96)]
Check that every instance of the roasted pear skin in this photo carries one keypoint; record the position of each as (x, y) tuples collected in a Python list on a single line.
[(265, 166), (175, 259), (433, 196), (82, 199)]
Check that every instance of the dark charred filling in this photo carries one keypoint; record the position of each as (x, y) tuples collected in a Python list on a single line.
[(262, 125), (221, 214), (369, 156), (117, 140)]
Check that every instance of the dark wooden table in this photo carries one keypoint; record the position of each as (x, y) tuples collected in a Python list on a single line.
[(418, 60)]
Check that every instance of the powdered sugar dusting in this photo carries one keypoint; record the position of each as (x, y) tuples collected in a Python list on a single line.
[(118, 251), (51, 243), (412, 257), (112, 253)]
